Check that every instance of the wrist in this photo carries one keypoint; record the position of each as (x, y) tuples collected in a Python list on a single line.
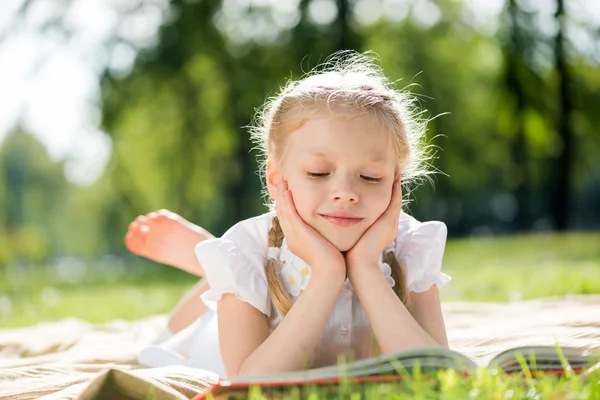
[(360, 262), (331, 275), (358, 270)]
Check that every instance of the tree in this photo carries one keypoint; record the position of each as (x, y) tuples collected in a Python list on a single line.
[(563, 164)]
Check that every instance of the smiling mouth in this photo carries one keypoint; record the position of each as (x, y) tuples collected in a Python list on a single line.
[(341, 221)]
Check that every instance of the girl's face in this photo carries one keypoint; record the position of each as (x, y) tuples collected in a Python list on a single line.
[(340, 172)]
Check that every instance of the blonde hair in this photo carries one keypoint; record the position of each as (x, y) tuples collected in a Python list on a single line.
[(347, 84)]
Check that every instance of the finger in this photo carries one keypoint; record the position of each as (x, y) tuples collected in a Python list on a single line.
[(280, 206), (291, 207), (397, 196), (292, 217), (279, 201), (389, 219), (399, 191), (396, 202)]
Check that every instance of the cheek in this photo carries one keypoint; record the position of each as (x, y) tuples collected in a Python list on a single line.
[(379, 201), (304, 199)]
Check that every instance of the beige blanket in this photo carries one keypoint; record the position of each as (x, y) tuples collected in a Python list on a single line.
[(60, 360)]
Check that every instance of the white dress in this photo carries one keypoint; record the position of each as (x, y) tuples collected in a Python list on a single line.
[(235, 263)]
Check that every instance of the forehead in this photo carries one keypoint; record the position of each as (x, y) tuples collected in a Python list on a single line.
[(361, 137)]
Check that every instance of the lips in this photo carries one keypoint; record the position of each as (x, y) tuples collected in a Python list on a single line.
[(342, 218)]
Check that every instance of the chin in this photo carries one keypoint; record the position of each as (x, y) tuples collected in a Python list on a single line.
[(343, 244), (342, 238)]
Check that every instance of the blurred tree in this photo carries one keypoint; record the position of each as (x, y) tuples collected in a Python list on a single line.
[(520, 134), (173, 138), (563, 165), (516, 69), (33, 188)]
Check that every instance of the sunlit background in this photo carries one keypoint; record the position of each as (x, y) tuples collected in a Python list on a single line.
[(114, 108)]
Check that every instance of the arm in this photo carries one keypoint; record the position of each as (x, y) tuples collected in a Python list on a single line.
[(247, 347), (394, 326)]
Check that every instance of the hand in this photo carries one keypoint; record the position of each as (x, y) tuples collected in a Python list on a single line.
[(379, 235), (304, 241)]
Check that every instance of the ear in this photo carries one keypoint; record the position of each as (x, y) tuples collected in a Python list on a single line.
[(273, 177)]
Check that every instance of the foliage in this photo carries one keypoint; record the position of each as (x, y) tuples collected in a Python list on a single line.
[(178, 119)]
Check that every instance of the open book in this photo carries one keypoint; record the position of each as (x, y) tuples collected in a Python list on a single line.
[(548, 359)]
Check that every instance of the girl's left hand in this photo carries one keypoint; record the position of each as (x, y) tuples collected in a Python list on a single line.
[(383, 232)]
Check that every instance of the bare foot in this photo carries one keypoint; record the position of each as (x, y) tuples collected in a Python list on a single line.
[(166, 238)]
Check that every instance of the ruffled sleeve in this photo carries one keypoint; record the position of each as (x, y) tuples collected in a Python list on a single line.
[(420, 249), (235, 264)]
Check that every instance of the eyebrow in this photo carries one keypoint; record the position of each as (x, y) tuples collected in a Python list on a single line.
[(376, 157)]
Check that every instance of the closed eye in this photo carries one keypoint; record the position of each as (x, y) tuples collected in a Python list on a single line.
[(317, 174), (370, 179)]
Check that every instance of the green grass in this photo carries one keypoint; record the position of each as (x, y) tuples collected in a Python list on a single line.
[(40, 295), (526, 266), (485, 384), (500, 269)]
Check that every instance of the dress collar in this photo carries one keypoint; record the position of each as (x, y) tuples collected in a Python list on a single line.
[(295, 273)]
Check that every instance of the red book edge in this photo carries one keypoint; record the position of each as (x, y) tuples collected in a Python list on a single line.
[(224, 385)]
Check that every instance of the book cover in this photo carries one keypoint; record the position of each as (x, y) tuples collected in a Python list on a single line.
[(426, 361)]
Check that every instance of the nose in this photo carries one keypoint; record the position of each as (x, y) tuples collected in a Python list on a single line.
[(344, 191)]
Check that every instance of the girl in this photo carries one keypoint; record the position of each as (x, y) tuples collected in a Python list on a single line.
[(335, 264)]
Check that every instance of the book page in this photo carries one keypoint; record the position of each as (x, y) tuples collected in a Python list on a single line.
[(427, 358)]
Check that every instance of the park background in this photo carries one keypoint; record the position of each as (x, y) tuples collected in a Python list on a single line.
[(112, 109)]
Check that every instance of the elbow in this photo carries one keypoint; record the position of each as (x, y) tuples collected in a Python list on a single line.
[(441, 340), (233, 371), (232, 374), (243, 369)]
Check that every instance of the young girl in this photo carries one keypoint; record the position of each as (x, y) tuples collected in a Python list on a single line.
[(336, 264)]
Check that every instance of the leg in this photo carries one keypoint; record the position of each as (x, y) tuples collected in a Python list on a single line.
[(167, 238), (177, 349), (189, 308)]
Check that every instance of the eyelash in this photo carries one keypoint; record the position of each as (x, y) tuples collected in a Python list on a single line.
[(324, 174)]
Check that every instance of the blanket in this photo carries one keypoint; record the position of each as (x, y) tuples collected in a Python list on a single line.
[(68, 359)]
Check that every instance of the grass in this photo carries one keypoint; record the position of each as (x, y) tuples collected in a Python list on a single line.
[(485, 384), (522, 267), (499, 269)]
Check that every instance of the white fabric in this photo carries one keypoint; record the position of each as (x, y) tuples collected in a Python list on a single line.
[(236, 264)]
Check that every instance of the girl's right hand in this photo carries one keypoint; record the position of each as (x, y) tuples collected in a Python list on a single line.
[(305, 242)]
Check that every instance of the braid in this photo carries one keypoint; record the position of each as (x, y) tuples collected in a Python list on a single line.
[(279, 296), (399, 276)]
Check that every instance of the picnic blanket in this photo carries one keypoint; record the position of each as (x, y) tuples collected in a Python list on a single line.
[(69, 359)]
